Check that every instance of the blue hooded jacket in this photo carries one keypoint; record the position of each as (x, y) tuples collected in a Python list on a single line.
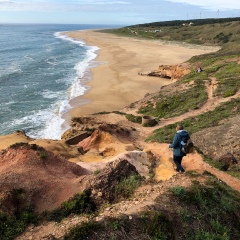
[(176, 142)]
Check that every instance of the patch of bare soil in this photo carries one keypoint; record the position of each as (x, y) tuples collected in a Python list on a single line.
[(47, 179)]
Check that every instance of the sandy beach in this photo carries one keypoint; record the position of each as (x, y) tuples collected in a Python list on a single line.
[(116, 81)]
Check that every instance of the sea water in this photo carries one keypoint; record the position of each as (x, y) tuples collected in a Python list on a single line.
[(41, 70)]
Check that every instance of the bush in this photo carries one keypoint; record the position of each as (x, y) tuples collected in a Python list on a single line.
[(12, 225), (79, 204), (132, 118), (126, 186)]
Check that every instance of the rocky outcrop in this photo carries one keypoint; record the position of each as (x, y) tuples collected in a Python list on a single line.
[(104, 136), (76, 139), (96, 140), (227, 159), (139, 159), (104, 184), (171, 72)]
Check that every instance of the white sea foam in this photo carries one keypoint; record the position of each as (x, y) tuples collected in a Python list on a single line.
[(51, 63), (63, 107), (52, 118), (50, 94), (53, 122), (81, 67), (29, 58), (76, 89), (62, 36), (48, 120), (53, 129), (48, 47), (42, 117), (13, 68)]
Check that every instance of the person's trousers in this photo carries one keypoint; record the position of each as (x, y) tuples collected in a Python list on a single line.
[(178, 161)]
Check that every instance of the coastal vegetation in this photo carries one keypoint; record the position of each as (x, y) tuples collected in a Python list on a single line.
[(198, 31), (175, 104), (195, 124), (205, 208)]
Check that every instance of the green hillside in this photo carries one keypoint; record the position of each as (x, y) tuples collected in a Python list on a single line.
[(198, 31)]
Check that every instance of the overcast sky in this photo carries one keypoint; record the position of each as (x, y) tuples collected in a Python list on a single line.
[(122, 12)]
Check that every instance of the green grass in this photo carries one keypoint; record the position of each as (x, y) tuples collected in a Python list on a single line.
[(207, 210), (82, 231), (228, 80), (78, 204), (176, 104), (96, 172), (43, 154), (126, 187), (195, 76), (104, 112), (195, 124), (133, 118), (13, 224), (157, 225), (148, 225), (218, 33), (234, 170)]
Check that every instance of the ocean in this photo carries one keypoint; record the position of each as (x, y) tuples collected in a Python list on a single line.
[(41, 70)]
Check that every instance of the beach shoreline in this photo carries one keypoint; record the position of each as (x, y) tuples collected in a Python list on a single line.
[(116, 81)]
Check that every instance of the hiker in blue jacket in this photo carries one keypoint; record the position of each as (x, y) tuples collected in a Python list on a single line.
[(176, 145)]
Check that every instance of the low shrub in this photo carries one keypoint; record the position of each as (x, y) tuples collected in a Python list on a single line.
[(79, 204), (126, 186), (132, 118)]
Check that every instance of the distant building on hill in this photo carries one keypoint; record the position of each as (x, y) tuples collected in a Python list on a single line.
[(188, 24)]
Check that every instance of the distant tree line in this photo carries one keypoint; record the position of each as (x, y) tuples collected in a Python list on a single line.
[(180, 22)]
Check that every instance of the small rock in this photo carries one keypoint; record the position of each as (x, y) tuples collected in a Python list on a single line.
[(99, 194)]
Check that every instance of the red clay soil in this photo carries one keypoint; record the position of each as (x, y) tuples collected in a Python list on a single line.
[(47, 179)]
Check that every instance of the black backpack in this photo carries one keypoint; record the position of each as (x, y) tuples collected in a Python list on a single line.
[(186, 145)]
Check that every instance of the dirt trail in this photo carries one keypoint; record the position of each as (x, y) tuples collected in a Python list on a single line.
[(192, 161), (210, 105)]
